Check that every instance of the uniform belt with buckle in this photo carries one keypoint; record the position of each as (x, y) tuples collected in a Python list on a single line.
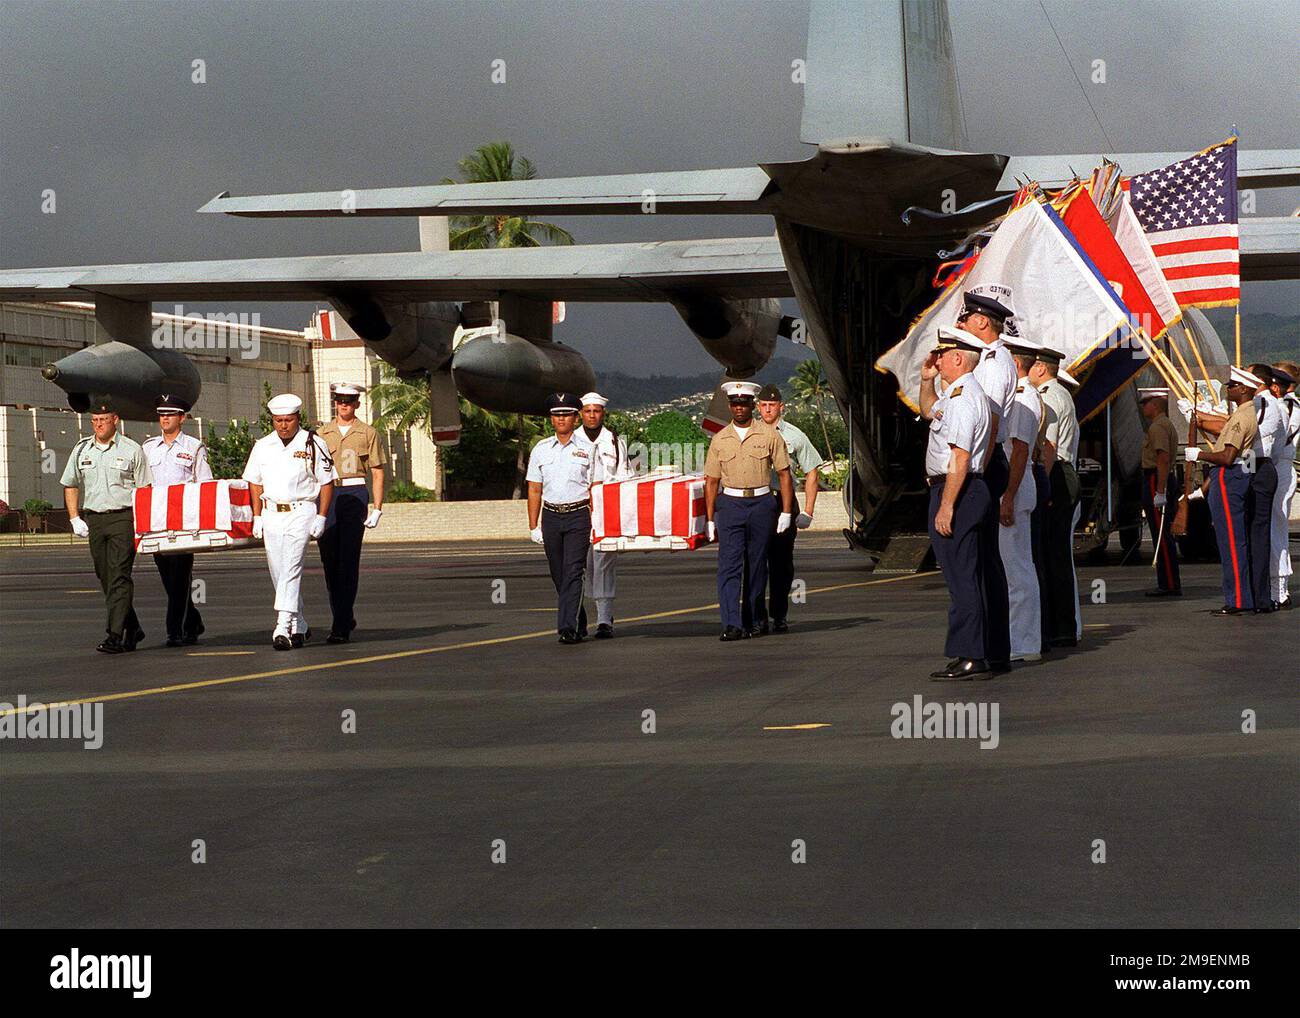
[(349, 482), (565, 507), (285, 507), (934, 482), (746, 492)]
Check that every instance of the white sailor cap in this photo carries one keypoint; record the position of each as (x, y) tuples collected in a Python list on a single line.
[(1243, 377), (1153, 392), (740, 391), (594, 399), (1022, 345), (952, 338), (285, 403), (1067, 378), (346, 389)]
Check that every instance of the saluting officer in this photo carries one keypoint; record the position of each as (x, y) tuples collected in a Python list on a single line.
[(177, 458), (984, 314), (780, 553), (110, 467), (960, 503), (559, 511), (608, 463), (1229, 488), (1283, 387), (740, 513), (358, 457), (1160, 487), (287, 472)]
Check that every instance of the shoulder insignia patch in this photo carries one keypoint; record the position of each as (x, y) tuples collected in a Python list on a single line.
[(956, 391)]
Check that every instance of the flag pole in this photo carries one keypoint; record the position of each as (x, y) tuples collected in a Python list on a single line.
[(1196, 350), (1238, 323), (1237, 320)]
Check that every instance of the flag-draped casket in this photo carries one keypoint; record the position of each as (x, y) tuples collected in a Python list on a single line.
[(652, 513), (200, 516)]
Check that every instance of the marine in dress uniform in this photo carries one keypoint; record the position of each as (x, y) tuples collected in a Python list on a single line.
[(1015, 535), (739, 508), (289, 471), (177, 458), (804, 458), (109, 467), (559, 511), (1284, 383), (1160, 488), (608, 463), (984, 314), (1229, 489), (960, 504), (359, 461), (1059, 446)]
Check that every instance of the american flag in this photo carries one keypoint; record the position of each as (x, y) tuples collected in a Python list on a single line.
[(1189, 213)]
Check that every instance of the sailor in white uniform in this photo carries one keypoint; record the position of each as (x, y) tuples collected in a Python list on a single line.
[(608, 463), (1283, 388), (287, 471)]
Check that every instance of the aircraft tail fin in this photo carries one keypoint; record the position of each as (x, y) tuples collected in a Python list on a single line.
[(882, 70)]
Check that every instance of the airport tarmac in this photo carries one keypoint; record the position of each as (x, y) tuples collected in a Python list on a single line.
[(474, 727)]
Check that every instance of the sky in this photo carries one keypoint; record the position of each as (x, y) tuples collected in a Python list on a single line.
[(97, 103)]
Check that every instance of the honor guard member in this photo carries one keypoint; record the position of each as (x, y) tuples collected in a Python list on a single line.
[(1059, 447), (984, 313), (559, 492), (1283, 387), (1271, 420), (1229, 488), (960, 504), (780, 553), (1015, 535), (177, 458), (358, 460), (1160, 488), (288, 471), (608, 463), (109, 467), (739, 509)]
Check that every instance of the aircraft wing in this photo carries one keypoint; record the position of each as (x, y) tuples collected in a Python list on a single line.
[(1262, 168), (735, 268), (701, 192)]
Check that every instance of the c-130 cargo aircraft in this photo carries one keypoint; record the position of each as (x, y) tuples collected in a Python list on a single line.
[(882, 107)]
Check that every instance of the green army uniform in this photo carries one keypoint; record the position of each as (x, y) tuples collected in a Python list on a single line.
[(108, 476)]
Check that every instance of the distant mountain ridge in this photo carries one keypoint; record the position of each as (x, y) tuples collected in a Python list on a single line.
[(627, 392)]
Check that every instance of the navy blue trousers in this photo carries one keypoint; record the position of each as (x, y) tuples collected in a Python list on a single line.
[(1038, 539), (1162, 520), (566, 538), (177, 572), (1229, 487), (997, 609), (746, 527), (961, 559), (340, 552), (1259, 526)]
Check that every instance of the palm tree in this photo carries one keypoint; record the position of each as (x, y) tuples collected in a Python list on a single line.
[(496, 161), (810, 385)]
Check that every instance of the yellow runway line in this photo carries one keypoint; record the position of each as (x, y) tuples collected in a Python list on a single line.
[(796, 728), (399, 654), (218, 653)]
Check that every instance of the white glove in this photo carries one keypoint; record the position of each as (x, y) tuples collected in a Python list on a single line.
[(783, 522), (257, 527), (317, 527), (372, 520), (711, 530), (1158, 499), (1191, 454), (79, 527), (803, 521), (535, 535), (1185, 407), (1197, 493)]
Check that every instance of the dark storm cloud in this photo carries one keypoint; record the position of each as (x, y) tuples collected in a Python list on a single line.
[(96, 102)]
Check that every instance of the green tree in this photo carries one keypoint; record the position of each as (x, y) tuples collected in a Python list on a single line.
[(496, 161), (228, 450), (810, 385)]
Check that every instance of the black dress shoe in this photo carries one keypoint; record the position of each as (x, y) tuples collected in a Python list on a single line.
[(1225, 610), (1267, 611), (780, 626), (299, 640), (960, 669), (570, 636), (354, 624), (604, 631), (174, 641), (759, 630), (190, 639), (111, 644), (999, 667), (337, 637), (281, 642), (131, 640), (1065, 641), (733, 633), (1286, 605), (1164, 593)]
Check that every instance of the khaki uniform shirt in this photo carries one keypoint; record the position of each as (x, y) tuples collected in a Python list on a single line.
[(1240, 431), (1160, 438), (110, 473), (746, 464), (356, 453)]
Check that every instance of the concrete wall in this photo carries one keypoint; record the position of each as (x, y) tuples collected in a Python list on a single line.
[(508, 518)]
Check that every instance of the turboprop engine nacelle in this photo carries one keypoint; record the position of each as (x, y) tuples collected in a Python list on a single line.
[(506, 373), (739, 334)]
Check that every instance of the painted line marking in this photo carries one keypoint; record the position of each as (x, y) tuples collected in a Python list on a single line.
[(83, 591), (796, 728), (218, 653), (399, 654)]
